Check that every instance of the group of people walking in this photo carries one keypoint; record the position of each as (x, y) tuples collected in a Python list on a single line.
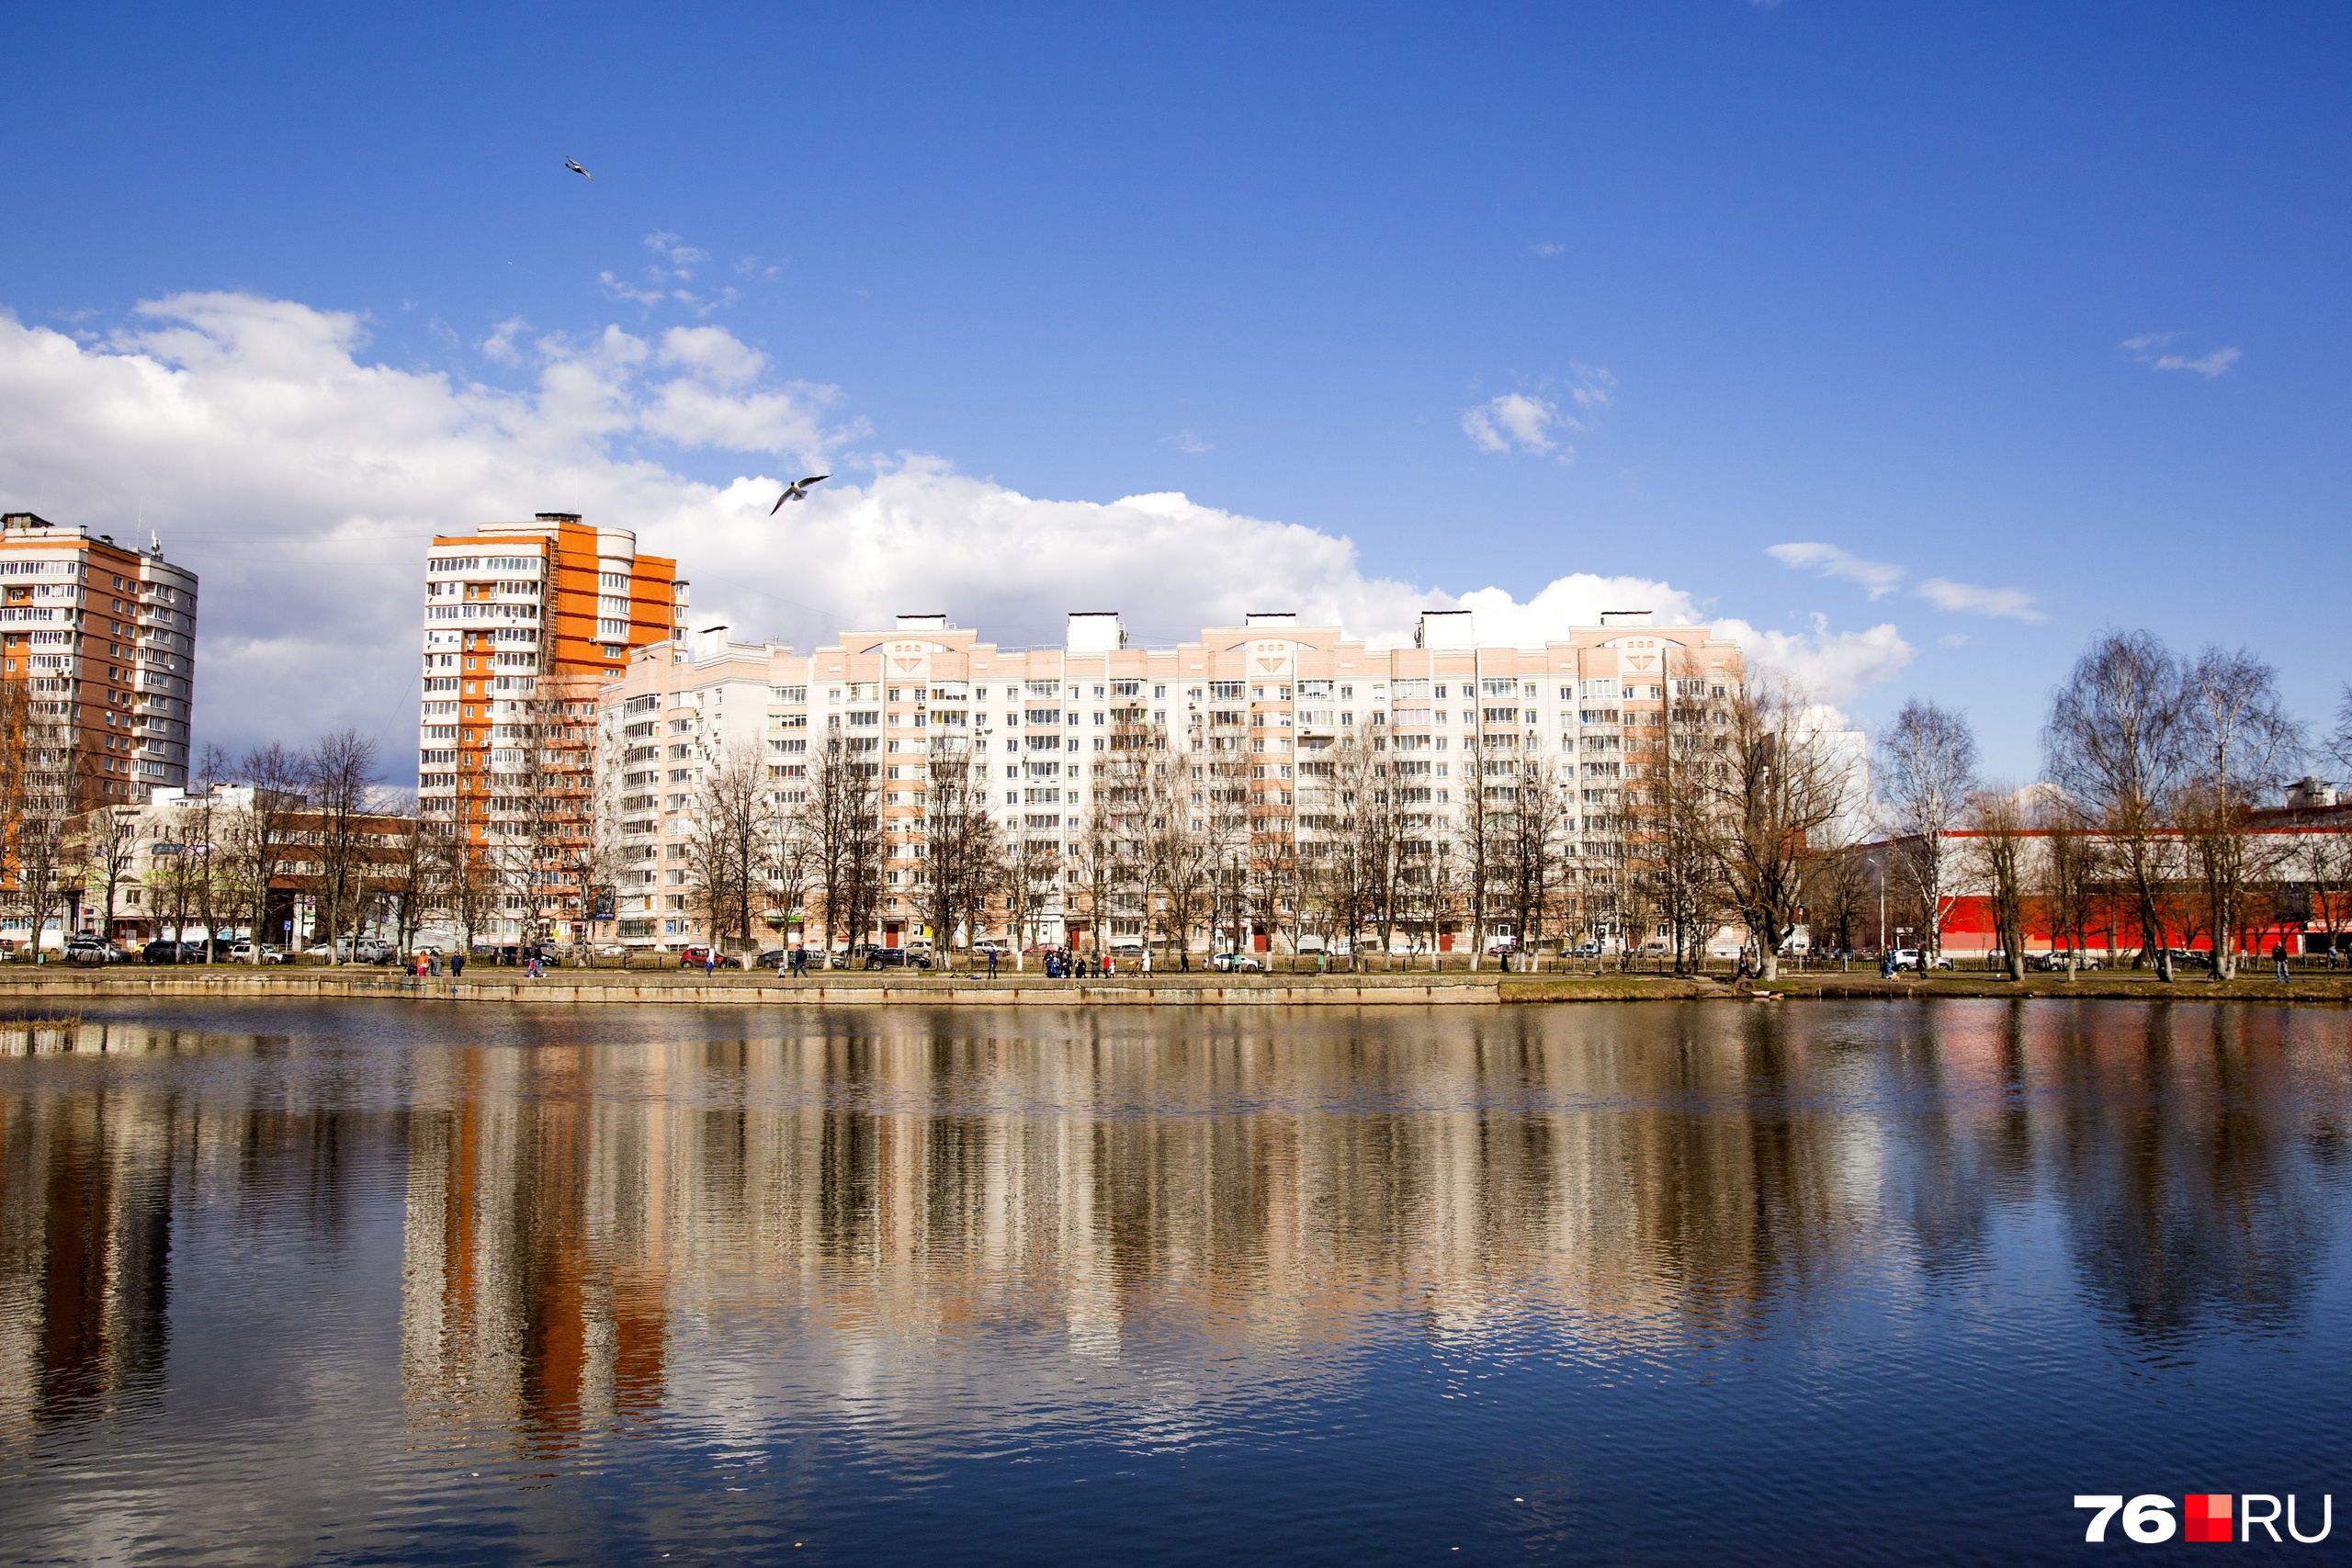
[(1062, 963)]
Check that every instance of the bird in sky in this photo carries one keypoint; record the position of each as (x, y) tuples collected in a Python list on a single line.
[(574, 165), (797, 490)]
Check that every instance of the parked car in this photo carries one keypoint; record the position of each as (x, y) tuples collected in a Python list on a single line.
[(1584, 949), (2059, 961), (983, 948), (243, 952), (695, 957), (93, 949), (1910, 958), (1502, 947), (1235, 964), (896, 958), (172, 953)]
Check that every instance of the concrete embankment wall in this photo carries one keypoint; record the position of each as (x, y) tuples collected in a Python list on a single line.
[(813, 994)]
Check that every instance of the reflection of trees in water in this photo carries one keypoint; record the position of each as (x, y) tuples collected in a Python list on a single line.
[(91, 1171), (1648, 1176), (1659, 1175), (2188, 1197)]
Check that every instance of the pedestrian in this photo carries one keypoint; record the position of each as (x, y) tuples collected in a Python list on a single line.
[(991, 962), (457, 966), (1184, 961), (709, 962), (1147, 961), (2280, 953)]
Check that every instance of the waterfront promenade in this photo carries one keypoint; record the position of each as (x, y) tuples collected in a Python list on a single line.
[(29, 988)]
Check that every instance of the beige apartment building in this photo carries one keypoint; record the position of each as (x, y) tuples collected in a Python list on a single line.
[(1246, 715)]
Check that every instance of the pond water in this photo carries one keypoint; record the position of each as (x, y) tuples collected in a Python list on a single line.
[(1680, 1283)]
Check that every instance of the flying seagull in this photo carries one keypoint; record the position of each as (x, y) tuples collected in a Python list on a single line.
[(574, 165), (797, 490)]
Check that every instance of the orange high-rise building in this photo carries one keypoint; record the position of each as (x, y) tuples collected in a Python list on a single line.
[(104, 638), (523, 621)]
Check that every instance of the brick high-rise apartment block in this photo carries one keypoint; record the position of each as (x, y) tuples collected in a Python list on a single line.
[(102, 638), (522, 622)]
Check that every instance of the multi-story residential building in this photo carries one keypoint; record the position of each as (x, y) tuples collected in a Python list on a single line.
[(672, 717), (181, 866), (103, 639), (523, 623), (1232, 735)]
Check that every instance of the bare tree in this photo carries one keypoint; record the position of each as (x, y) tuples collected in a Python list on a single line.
[(1094, 862), (463, 879), (1030, 880), (1784, 792), (1533, 867), (1925, 771), (339, 774), (1344, 810), (842, 821), (1996, 822), (791, 859), (2113, 741), (1479, 835), (105, 841), (1839, 893), (2071, 872), (1670, 805), (259, 842), (962, 853), (2239, 744), (727, 868)]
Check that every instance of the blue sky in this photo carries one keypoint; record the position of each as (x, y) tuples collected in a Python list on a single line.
[(1499, 295)]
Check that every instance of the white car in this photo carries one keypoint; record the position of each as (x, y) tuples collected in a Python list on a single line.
[(1236, 963), (1909, 958)]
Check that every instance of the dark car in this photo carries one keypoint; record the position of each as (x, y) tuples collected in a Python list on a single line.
[(896, 958), (172, 953), (775, 958)]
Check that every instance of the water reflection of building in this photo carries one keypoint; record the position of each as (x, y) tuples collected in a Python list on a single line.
[(572, 1207), (100, 1171)]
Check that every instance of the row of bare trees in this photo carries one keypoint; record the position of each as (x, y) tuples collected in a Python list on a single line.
[(2143, 827), (313, 819)]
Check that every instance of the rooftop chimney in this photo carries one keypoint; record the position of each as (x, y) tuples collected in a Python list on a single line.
[(1446, 628), (1095, 631)]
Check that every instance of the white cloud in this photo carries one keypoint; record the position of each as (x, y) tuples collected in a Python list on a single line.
[(302, 483), (1528, 421), (2206, 364), (1879, 576), (1830, 667), (1952, 640), (1498, 423), (1186, 442), (683, 258), (2145, 348), (1968, 599), (1548, 248)]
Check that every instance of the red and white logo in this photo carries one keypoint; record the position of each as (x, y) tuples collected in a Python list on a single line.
[(2205, 1516)]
